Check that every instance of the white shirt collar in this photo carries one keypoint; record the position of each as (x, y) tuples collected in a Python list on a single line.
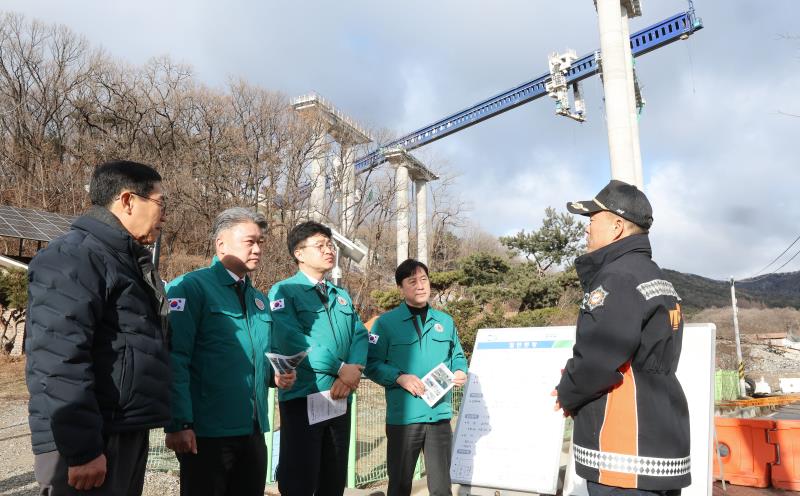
[(235, 277), (313, 281)]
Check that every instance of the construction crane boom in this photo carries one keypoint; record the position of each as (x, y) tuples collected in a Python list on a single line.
[(677, 27)]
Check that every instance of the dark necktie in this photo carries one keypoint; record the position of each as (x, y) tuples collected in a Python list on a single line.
[(240, 293), (322, 291)]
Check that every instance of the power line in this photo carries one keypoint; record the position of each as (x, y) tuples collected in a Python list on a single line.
[(762, 276), (784, 265), (778, 257)]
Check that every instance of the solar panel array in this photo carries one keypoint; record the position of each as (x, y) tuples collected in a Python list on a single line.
[(32, 224)]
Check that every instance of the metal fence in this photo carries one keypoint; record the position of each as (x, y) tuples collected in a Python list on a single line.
[(367, 465), (726, 385)]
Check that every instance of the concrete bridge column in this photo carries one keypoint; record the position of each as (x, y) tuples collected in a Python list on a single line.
[(401, 183), (422, 220)]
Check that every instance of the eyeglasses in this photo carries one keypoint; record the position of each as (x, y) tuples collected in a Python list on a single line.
[(321, 247), (162, 203)]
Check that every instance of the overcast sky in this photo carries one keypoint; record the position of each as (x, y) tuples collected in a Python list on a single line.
[(719, 153)]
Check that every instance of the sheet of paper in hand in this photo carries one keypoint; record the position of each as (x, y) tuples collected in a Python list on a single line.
[(284, 364), (437, 383), (322, 407)]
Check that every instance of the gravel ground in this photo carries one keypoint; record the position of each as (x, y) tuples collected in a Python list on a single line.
[(16, 458)]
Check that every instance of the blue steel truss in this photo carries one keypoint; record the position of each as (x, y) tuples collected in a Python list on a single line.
[(679, 26)]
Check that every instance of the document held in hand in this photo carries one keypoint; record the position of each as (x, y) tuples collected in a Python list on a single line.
[(283, 364), (437, 383), (322, 407)]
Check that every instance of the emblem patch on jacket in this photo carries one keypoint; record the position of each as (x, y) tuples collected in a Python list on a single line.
[(277, 305), (594, 299), (438, 328), (177, 304), (675, 317), (341, 300), (373, 338), (259, 304)]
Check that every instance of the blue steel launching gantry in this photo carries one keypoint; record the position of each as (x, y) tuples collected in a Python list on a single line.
[(566, 72)]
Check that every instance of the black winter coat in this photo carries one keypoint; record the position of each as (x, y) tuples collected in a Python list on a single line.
[(631, 416), (96, 340)]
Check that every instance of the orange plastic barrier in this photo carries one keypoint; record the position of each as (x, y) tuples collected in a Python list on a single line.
[(745, 451), (786, 469)]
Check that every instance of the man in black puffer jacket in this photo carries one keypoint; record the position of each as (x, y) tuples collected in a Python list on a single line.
[(98, 365)]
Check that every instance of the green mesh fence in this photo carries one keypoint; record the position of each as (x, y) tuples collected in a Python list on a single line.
[(726, 385), (371, 434), (160, 458), (370, 438)]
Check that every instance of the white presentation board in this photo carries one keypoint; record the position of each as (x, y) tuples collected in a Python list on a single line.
[(696, 373), (508, 435)]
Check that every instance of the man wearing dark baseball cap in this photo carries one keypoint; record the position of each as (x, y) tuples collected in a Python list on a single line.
[(622, 199), (631, 433)]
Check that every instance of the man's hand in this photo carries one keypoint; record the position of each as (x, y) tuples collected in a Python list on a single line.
[(285, 381), (412, 384), (350, 374), (557, 406), (182, 441), (459, 378), (340, 390), (89, 475)]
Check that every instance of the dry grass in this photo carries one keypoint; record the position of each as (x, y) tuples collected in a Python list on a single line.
[(12, 378), (751, 320)]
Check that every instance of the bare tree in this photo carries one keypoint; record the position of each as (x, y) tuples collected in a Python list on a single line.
[(65, 107)]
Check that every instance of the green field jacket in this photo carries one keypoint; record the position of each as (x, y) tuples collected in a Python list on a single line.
[(396, 348), (332, 330), (220, 372)]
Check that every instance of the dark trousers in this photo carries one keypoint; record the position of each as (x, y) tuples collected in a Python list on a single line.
[(403, 444), (597, 489), (313, 458), (225, 466), (126, 461)]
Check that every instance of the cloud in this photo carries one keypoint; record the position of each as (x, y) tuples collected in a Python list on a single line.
[(716, 228), (720, 160), (419, 97), (508, 203)]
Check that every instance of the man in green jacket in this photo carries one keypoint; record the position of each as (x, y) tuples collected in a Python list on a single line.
[(221, 329), (405, 344), (310, 312)]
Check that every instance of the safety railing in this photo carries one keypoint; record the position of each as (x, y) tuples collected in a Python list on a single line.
[(315, 99)]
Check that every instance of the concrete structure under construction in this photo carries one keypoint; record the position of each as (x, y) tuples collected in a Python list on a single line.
[(408, 168), (618, 85), (331, 122)]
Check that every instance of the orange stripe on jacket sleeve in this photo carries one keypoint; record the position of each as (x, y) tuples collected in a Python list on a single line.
[(620, 431)]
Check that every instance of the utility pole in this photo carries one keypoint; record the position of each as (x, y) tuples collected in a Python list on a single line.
[(740, 362)]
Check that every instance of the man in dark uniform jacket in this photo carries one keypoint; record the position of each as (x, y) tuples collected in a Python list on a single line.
[(631, 417), (98, 366)]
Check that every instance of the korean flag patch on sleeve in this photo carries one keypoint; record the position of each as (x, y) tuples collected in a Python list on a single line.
[(373, 338), (277, 305), (177, 304)]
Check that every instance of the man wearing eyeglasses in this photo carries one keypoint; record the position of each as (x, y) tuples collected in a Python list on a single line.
[(310, 312), (98, 365)]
